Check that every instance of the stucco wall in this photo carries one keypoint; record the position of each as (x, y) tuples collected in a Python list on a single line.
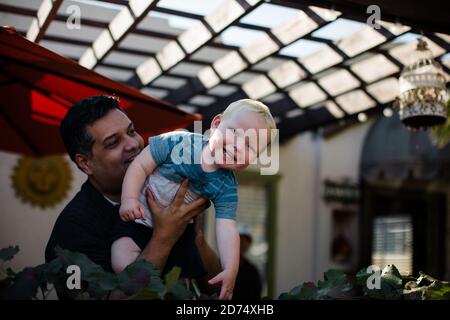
[(303, 218), (22, 224)]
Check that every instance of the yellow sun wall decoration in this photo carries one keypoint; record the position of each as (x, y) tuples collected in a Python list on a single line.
[(43, 181)]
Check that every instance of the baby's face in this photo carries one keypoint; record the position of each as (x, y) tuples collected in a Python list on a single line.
[(237, 141)]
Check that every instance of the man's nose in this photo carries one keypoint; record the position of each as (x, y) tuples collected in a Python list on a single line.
[(131, 144)]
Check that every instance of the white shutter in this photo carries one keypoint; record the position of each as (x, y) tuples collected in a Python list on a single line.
[(392, 242)]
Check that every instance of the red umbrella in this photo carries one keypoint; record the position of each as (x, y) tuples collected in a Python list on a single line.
[(37, 87)]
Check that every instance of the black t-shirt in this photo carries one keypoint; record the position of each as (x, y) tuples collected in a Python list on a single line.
[(89, 224), (183, 254), (84, 226)]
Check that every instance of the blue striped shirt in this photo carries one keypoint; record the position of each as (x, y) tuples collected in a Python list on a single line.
[(178, 156)]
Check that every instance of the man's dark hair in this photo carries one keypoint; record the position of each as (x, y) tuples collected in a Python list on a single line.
[(85, 112)]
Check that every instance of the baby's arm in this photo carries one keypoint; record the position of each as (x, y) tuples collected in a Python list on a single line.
[(228, 243), (137, 172)]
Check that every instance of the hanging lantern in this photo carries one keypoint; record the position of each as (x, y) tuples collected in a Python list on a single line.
[(423, 95)]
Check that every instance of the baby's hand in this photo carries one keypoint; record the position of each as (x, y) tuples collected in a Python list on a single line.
[(227, 279), (131, 209)]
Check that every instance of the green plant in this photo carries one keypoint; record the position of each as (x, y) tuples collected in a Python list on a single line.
[(391, 286), (334, 286), (440, 135), (140, 280)]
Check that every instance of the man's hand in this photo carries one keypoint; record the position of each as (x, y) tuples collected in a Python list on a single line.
[(199, 236), (170, 222)]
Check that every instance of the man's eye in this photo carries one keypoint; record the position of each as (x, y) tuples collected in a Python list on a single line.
[(112, 144), (132, 132)]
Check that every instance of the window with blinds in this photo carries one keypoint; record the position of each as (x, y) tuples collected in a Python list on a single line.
[(392, 242)]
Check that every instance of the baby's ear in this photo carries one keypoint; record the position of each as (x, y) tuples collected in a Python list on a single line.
[(216, 121)]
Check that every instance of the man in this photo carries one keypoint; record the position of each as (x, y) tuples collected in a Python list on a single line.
[(101, 140)]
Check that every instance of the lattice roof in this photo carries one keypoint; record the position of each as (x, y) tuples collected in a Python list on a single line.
[(311, 65)]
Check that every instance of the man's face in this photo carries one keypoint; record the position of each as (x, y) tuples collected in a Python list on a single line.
[(116, 144)]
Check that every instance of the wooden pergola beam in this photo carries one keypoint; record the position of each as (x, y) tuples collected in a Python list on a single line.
[(191, 40), (311, 22), (45, 14), (123, 23)]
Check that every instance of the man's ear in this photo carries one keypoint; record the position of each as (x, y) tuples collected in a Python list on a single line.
[(216, 121), (83, 163)]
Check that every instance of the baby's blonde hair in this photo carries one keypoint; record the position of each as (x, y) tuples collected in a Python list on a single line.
[(253, 106)]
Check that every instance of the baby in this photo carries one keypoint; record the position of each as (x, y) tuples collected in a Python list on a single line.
[(238, 135)]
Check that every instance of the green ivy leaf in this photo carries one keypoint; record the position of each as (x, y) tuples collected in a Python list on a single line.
[(139, 275), (283, 296), (7, 254), (294, 294), (89, 270), (51, 271), (24, 286), (413, 294), (179, 292), (308, 291), (392, 276), (437, 290), (172, 277), (335, 285), (440, 135), (362, 276), (98, 281), (408, 278), (103, 284), (390, 283), (425, 279), (428, 288), (333, 278), (175, 287), (54, 272), (386, 291), (145, 294)]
